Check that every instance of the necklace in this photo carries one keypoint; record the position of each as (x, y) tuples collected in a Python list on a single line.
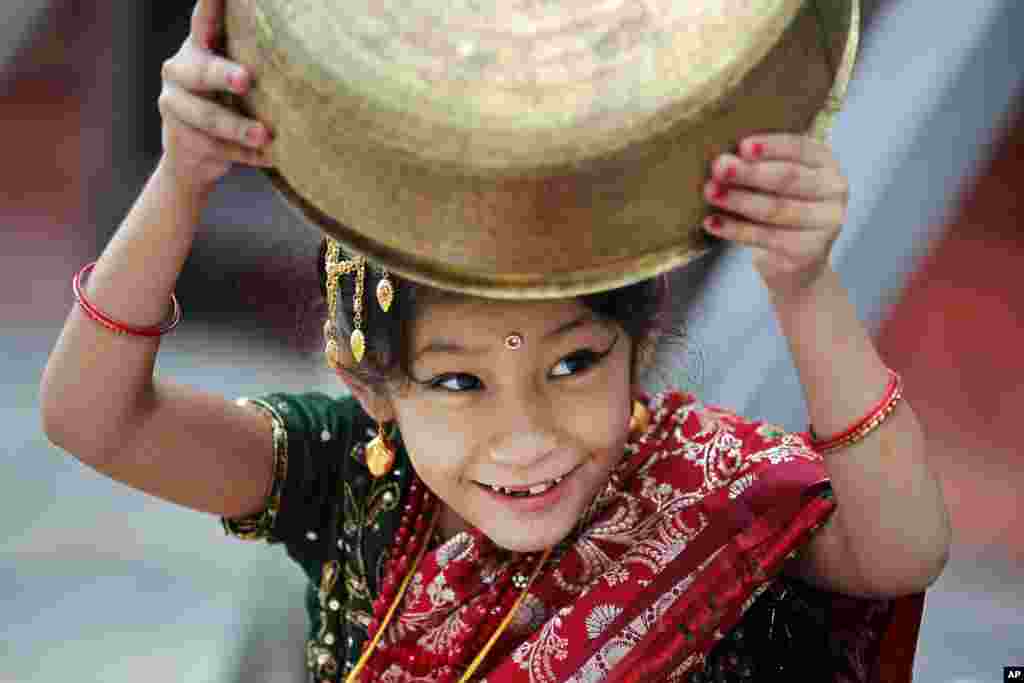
[(423, 501)]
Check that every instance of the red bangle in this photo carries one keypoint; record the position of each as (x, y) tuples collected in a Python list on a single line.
[(119, 327), (867, 424)]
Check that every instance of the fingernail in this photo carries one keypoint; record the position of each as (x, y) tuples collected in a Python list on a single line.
[(237, 81), (713, 223), (756, 150), (730, 173), (255, 135), (719, 191)]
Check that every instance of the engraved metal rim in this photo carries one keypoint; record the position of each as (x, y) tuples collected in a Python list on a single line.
[(489, 285)]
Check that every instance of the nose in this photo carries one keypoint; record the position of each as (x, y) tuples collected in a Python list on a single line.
[(522, 449), (525, 435)]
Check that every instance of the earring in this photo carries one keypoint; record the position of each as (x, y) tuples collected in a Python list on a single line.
[(380, 454), (639, 418)]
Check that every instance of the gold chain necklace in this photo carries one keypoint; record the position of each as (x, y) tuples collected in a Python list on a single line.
[(475, 664)]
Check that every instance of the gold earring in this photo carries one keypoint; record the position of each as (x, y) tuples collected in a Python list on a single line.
[(380, 454), (639, 418)]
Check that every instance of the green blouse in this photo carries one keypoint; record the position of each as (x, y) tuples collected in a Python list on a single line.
[(334, 519)]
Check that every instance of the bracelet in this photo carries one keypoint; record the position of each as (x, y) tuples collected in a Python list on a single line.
[(867, 424), (119, 327)]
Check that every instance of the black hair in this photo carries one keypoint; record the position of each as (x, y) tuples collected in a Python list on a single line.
[(641, 309)]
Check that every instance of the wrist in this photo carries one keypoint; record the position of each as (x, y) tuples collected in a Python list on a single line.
[(182, 186), (799, 295)]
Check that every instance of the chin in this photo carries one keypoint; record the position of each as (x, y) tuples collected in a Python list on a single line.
[(528, 542), (534, 536)]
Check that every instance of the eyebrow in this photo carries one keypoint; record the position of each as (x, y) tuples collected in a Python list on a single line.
[(447, 346)]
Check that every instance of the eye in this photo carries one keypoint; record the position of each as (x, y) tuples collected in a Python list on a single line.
[(582, 359), (439, 382)]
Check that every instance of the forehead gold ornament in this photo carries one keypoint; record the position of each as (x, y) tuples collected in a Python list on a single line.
[(513, 341), (335, 267)]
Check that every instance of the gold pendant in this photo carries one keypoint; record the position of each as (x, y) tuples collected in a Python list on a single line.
[(385, 294), (379, 456), (358, 344)]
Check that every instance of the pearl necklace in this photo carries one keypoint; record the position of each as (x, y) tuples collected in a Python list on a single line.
[(399, 564)]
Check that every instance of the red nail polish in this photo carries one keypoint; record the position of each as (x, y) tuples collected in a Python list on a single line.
[(237, 81), (757, 149), (714, 222), (730, 173), (719, 191)]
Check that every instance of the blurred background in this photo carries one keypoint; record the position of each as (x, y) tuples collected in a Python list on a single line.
[(103, 583)]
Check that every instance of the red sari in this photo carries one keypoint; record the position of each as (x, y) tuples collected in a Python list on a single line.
[(694, 526)]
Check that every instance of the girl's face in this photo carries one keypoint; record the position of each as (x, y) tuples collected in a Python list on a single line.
[(548, 420)]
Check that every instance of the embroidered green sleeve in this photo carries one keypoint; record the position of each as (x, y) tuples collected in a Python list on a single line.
[(260, 525)]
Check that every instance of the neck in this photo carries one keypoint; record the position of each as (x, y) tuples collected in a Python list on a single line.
[(450, 523)]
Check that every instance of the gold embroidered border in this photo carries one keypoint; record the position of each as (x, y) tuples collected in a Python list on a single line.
[(259, 525)]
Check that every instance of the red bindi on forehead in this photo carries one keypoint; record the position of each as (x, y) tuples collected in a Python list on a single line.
[(512, 340)]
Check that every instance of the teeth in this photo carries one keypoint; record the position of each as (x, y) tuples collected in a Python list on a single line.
[(532, 491)]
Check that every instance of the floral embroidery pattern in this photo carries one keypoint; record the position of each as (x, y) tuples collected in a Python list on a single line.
[(599, 619)]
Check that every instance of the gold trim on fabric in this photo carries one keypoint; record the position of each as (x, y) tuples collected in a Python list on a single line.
[(259, 526)]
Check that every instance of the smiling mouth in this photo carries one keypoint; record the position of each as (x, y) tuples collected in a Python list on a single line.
[(528, 491)]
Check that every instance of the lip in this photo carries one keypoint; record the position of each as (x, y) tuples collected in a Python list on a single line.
[(548, 499), (523, 487)]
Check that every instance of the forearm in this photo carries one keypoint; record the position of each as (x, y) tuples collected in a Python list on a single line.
[(891, 506), (95, 379)]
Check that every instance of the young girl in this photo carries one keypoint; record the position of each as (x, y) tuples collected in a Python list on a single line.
[(498, 497)]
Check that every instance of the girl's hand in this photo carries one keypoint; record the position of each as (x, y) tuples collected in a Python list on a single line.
[(785, 197), (201, 137)]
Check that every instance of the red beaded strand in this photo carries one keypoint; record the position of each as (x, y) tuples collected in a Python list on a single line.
[(413, 517), (483, 617)]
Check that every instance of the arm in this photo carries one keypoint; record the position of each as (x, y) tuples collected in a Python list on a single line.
[(101, 401), (99, 398), (890, 534)]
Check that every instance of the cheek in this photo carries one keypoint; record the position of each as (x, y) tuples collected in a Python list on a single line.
[(426, 451), (437, 453), (598, 425)]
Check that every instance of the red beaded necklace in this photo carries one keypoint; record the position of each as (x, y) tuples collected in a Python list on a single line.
[(488, 616)]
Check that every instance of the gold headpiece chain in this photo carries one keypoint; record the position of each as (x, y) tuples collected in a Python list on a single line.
[(334, 268)]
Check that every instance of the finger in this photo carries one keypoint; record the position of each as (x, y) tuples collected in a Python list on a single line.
[(212, 148), (211, 118), (244, 155), (751, 234), (787, 147), (207, 22), (780, 177), (771, 209), (201, 71)]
